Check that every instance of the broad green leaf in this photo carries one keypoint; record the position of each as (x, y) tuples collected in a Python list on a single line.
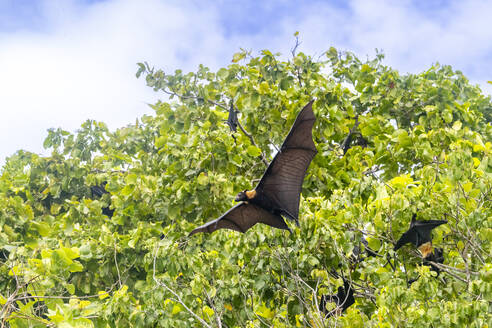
[(253, 151)]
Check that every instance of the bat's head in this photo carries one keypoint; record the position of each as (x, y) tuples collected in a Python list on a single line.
[(245, 195), (241, 196)]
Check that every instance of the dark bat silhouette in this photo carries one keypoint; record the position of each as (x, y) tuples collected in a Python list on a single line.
[(4, 254), (369, 251), (343, 299), (437, 256), (419, 234), (359, 141), (98, 192), (357, 253), (347, 142), (278, 192), (232, 118)]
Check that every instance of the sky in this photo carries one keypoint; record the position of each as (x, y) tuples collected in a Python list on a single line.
[(65, 61)]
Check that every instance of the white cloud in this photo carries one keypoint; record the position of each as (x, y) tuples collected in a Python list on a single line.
[(82, 63)]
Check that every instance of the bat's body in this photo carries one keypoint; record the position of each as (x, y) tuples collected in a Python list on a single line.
[(419, 234), (343, 299), (278, 192), (98, 192), (232, 119), (437, 257)]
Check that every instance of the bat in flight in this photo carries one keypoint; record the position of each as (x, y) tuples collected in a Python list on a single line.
[(419, 234), (98, 192), (278, 192), (343, 299)]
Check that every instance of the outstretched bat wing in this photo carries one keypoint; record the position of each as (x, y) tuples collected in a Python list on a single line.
[(424, 229), (282, 181), (242, 217), (408, 237), (419, 232)]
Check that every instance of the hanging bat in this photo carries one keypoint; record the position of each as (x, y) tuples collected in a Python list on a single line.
[(359, 141), (437, 257), (369, 251), (419, 234), (347, 142), (343, 299), (278, 192), (98, 192), (232, 119), (357, 252)]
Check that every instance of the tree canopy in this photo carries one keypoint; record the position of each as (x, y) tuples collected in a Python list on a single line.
[(420, 144)]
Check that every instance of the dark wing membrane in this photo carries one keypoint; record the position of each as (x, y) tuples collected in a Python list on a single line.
[(282, 181), (98, 191), (346, 143), (424, 229), (232, 119), (242, 217), (408, 237), (348, 295), (429, 224), (343, 299), (107, 211)]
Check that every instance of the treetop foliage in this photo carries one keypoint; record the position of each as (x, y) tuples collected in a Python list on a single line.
[(427, 150)]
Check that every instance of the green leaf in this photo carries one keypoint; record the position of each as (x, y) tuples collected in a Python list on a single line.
[(76, 267), (253, 151), (70, 288), (160, 141), (467, 187), (42, 228), (285, 83), (202, 179), (176, 309), (264, 87), (208, 311), (238, 57)]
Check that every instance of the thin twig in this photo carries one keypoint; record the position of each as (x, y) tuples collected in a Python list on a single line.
[(297, 68), (176, 295), (216, 314), (116, 263)]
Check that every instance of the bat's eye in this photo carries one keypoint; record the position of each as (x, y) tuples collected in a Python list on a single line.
[(240, 197)]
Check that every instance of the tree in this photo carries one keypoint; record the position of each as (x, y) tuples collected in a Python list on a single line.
[(426, 150)]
